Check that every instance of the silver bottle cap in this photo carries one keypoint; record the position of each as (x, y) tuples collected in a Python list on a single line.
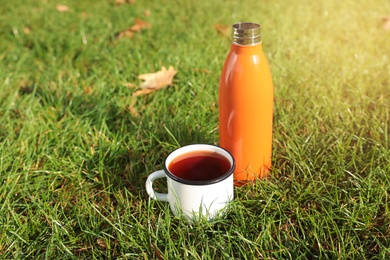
[(246, 33)]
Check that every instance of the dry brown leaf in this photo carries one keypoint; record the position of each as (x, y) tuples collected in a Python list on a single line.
[(139, 25), (131, 108), (88, 90), (62, 8), (222, 29), (143, 92), (155, 81), (133, 111), (147, 12), (157, 252), (130, 85), (386, 23), (101, 243), (125, 34), (26, 30), (158, 79), (121, 2)]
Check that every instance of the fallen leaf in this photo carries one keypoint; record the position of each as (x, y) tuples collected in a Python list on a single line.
[(139, 25), (131, 108), (157, 252), (129, 85), (121, 2), (62, 8), (88, 90), (133, 111), (158, 79), (143, 92), (386, 23), (155, 81), (222, 29), (125, 34), (101, 243), (147, 12), (26, 30)]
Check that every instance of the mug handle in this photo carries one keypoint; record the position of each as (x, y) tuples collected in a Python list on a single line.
[(149, 186)]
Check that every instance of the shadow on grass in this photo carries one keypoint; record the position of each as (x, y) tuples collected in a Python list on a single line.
[(120, 150)]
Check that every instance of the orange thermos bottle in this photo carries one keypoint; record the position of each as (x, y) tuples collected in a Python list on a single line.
[(246, 104)]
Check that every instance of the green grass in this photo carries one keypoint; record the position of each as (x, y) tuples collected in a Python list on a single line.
[(73, 162)]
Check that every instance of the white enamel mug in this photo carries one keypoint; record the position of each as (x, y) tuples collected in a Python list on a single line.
[(194, 198)]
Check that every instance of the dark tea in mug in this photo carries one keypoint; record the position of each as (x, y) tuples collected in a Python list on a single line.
[(199, 166)]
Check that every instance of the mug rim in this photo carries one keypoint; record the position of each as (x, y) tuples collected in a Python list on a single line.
[(205, 182)]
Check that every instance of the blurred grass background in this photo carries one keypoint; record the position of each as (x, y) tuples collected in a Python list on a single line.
[(76, 147)]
